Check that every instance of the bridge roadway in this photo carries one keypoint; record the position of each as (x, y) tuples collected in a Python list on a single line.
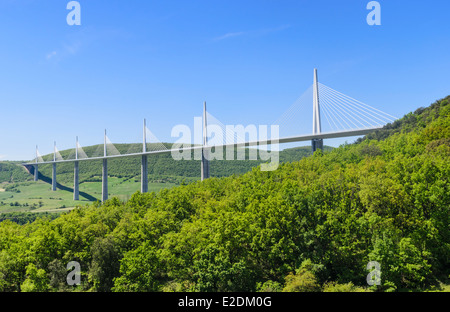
[(291, 139)]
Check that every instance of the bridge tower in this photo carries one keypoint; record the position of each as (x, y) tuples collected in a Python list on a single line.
[(144, 162), (316, 143), (36, 169), (104, 173), (205, 161), (54, 169), (76, 174)]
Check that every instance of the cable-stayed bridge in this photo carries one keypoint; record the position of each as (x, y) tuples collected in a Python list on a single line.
[(343, 116)]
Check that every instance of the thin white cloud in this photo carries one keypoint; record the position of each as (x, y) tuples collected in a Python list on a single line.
[(51, 55), (260, 32), (72, 48), (275, 29), (230, 35), (66, 50), (3, 157)]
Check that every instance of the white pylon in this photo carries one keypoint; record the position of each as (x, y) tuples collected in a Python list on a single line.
[(316, 105), (205, 162)]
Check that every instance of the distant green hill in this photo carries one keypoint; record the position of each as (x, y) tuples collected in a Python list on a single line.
[(413, 121), (13, 172), (162, 167)]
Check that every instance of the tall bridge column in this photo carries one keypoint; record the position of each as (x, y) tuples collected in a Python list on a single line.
[(144, 161), (144, 174), (36, 170), (205, 165), (105, 180), (54, 177), (316, 143), (105, 173), (205, 156), (54, 169), (76, 182), (76, 174), (36, 173)]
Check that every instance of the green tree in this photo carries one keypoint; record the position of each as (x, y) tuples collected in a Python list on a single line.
[(304, 280), (36, 280), (139, 270), (105, 264)]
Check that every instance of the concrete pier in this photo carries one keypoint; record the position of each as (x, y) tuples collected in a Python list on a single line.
[(36, 169), (76, 182), (76, 175), (144, 161), (205, 156), (54, 177), (317, 144), (105, 172), (144, 174), (205, 165), (36, 173), (54, 168), (105, 180)]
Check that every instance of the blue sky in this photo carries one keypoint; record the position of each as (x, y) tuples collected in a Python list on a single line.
[(249, 59)]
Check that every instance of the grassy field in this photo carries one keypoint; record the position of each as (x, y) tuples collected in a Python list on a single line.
[(38, 197)]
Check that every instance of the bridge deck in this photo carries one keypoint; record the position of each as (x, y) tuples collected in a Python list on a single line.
[(300, 138)]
